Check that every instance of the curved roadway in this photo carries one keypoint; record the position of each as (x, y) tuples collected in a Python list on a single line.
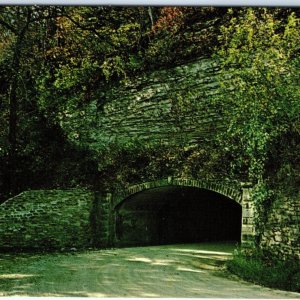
[(190, 270)]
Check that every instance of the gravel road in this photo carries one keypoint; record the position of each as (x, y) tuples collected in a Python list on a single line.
[(189, 270)]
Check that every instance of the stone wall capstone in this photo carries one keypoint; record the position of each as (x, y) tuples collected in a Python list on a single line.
[(46, 219)]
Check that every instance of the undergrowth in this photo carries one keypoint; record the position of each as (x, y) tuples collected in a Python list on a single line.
[(266, 270)]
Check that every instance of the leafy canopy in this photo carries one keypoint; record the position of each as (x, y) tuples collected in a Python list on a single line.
[(261, 96)]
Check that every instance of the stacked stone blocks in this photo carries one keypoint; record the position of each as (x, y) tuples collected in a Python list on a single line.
[(46, 220), (281, 234)]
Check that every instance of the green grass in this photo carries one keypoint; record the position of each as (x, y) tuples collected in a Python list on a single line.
[(267, 271)]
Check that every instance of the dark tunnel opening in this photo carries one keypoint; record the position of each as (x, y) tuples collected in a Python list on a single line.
[(170, 215)]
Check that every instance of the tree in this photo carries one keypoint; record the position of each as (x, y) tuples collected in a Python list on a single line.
[(260, 86), (16, 22), (23, 31)]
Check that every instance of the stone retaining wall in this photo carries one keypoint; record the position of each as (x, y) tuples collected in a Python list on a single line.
[(282, 230), (46, 219)]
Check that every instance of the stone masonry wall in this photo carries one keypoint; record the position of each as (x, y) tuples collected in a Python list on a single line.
[(46, 219), (282, 231)]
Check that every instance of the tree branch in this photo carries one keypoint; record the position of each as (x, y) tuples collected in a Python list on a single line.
[(87, 29), (8, 26)]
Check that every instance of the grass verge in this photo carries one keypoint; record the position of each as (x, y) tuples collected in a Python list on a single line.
[(266, 270)]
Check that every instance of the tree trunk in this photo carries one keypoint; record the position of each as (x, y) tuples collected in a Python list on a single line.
[(13, 106)]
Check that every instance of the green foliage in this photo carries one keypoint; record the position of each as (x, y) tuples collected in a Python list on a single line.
[(120, 165), (70, 56), (90, 48), (260, 90), (181, 33), (261, 193), (263, 197), (259, 102), (266, 270)]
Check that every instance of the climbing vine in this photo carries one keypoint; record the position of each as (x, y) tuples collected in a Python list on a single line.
[(260, 91)]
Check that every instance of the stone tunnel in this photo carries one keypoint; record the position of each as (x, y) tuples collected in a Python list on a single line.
[(173, 214), (165, 211), (175, 211)]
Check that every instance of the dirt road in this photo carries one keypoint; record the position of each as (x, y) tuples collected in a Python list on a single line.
[(193, 270)]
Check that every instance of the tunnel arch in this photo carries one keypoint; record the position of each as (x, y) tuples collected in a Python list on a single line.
[(230, 190)]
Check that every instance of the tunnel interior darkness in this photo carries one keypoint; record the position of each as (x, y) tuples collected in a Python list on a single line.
[(172, 214)]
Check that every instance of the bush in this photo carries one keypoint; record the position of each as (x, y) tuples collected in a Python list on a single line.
[(267, 271)]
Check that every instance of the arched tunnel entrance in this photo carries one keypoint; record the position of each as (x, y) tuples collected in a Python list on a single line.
[(176, 214)]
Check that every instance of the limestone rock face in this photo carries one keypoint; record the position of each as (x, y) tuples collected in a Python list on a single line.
[(166, 106)]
